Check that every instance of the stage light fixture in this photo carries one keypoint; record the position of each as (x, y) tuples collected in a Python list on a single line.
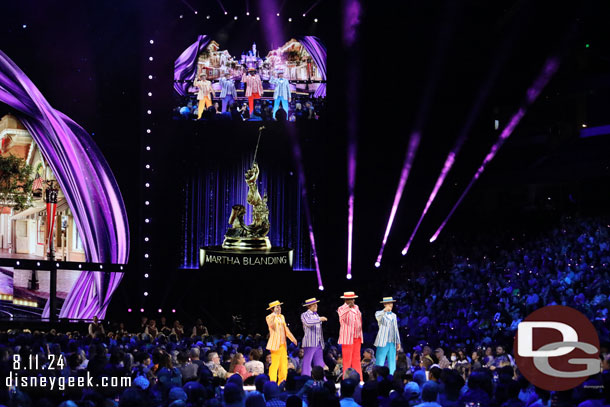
[(145, 293), (290, 20), (128, 309), (141, 309), (159, 310), (146, 203), (196, 12), (173, 311), (235, 18), (56, 264), (146, 256), (586, 45), (247, 13), (150, 58), (321, 288), (150, 76), (349, 276), (207, 17), (38, 263), (25, 26), (584, 125), (278, 14), (258, 19), (146, 275), (315, 20), (304, 14), (147, 166), (147, 220), (377, 264), (151, 41), (101, 267), (149, 93), (146, 239), (120, 267), (149, 111), (226, 12), (80, 266), (181, 16), (148, 131), (17, 263), (147, 148)]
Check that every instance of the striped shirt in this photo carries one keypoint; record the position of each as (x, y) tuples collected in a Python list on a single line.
[(277, 331), (312, 328), (388, 329), (351, 324)]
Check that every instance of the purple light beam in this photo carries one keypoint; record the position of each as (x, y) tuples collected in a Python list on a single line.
[(550, 67)]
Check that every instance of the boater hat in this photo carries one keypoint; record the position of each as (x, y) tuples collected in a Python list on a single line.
[(311, 301), (387, 299), (349, 295), (274, 303), (251, 70)]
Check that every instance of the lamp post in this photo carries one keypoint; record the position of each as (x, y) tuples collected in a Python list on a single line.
[(51, 200)]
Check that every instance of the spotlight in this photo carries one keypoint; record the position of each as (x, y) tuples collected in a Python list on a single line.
[(196, 12), (146, 256), (128, 309), (101, 267), (349, 276), (235, 18), (304, 14), (173, 311), (147, 185), (315, 20), (290, 20), (181, 16), (147, 148), (57, 264), (149, 111), (38, 263), (145, 293), (146, 203), (80, 266), (147, 220), (377, 264), (151, 41), (150, 76), (404, 252), (147, 166), (148, 131), (146, 275), (321, 288), (141, 309), (433, 238), (146, 239), (278, 14), (247, 13), (258, 19), (150, 58), (17, 263), (120, 267), (584, 125), (159, 310), (207, 17), (149, 93), (226, 13)]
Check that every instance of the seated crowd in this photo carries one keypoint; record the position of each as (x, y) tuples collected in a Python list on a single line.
[(454, 329)]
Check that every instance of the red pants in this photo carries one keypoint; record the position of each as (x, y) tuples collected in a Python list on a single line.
[(351, 357), (251, 101)]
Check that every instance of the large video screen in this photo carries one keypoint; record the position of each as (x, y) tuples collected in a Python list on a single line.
[(247, 81)]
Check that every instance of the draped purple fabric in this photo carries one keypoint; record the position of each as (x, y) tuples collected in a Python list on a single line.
[(318, 53), (87, 183), (185, 66)]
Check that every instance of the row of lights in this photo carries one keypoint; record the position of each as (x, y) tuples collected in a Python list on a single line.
[(315, 20), (159, 310), (80, 266)]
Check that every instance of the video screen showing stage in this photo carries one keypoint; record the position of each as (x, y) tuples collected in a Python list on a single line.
[(25, 226), (236, 77)]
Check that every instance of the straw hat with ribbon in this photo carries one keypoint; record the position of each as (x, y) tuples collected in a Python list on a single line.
[(274, 304)]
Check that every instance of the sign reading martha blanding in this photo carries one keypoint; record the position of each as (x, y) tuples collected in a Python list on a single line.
[(275, 258)]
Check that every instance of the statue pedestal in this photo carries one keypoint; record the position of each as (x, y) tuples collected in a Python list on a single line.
[(246, 243), (227, 260)]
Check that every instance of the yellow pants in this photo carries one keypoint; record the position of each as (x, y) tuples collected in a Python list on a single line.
[(203, 104), (278, 370)]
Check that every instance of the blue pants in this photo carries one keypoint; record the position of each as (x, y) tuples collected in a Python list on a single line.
[(227, 101), (276, 105), (390, 351)]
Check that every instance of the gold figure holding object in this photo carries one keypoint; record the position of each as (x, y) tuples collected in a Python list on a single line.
[(254, 236)]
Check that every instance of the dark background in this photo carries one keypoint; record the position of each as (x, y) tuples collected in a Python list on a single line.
[(413, 62)]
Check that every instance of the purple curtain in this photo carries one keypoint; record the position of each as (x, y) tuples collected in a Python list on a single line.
[(185, 66), (87, 183), (318, 53)]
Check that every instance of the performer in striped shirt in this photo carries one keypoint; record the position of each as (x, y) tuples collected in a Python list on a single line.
[(312, 340), (350, 333), (388, 338), (278, 331)]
